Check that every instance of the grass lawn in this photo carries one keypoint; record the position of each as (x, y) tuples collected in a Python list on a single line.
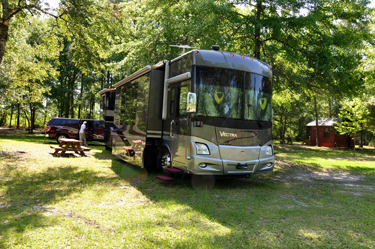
[(315, 198)]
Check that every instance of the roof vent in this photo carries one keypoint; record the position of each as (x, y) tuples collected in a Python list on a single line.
[(215, 47)]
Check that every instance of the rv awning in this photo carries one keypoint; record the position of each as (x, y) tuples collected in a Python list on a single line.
[(105, 90), (133, 76)]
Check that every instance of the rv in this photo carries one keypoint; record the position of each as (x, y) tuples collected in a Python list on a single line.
[(206, 112)]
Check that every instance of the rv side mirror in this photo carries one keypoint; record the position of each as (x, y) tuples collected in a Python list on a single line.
[(191, 105)]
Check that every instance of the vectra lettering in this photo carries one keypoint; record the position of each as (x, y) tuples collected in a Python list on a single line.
[(224, 134)]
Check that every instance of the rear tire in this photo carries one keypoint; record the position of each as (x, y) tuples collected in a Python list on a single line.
[(61, 136)]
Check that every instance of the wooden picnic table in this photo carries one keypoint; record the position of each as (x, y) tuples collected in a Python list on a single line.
[(68, 144)]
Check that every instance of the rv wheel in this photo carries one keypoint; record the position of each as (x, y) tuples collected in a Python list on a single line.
[(165, 161)]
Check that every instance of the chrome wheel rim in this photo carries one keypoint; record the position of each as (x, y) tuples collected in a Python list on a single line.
[(165, 162), (61, 137)]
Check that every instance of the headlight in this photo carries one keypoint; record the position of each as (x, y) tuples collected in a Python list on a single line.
[(269, 151), (202, 149)]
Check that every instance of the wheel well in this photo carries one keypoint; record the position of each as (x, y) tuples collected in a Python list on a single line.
[(62, 133)]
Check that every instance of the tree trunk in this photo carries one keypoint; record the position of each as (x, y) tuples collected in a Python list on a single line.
[(354, 145), (80, 97), (11, 115), (317, 122), (108, 79), (18, 115), (72, 93), (67, 104), (71, 106), (4, 29), (92, 102), (257, 30), (361, 140), (28, 120), (32, 119), (282, 138), (330, 107), (45, 114)]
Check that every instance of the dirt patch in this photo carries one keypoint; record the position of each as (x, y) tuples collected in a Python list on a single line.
[(327, 176), (309, 174), (12, 154)]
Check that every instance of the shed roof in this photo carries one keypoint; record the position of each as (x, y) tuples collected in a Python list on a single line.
[(324, 122)]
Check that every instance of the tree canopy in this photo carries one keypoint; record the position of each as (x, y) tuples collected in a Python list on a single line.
[(319, 50)]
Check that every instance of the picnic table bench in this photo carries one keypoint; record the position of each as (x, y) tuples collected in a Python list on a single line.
[(68, 144)]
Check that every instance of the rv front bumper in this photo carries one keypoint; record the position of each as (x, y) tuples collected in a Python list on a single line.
[(202, 165)]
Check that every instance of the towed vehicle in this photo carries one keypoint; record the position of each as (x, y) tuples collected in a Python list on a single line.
[(60, 128)]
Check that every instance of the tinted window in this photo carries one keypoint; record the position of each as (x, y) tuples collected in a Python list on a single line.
[(99, 124), (69, 122), (258, 95), (220, 92), (103, 106), (233, 94), (118, 105), (181, 66), (55, 121), (142, 103)]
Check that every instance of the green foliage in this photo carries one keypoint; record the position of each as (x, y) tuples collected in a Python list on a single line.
[(316, 48), (352, 117), (372, 142)]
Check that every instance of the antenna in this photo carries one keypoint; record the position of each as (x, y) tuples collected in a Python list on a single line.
[(183, 47)]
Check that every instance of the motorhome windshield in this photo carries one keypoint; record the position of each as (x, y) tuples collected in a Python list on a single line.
[(226, 93)]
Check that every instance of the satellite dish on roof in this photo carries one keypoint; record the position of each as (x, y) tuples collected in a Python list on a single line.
[(183, 47)]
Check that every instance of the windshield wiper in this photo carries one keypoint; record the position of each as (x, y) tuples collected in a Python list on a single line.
[(229, 113), (256, 115)]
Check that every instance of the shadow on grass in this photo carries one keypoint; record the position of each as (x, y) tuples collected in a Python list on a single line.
[(323, 150), (26, 197), (39, 139), (259, 212)]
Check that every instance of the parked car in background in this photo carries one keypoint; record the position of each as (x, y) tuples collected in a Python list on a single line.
[(60, 128)]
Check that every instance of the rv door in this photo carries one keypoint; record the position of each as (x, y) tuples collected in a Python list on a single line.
[(176, 129)]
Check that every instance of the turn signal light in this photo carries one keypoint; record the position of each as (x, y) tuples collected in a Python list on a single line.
[(48, 128)]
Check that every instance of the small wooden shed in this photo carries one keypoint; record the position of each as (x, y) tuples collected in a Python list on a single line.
[(328, 136)]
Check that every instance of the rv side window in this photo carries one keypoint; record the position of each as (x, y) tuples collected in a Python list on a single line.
[(181, 66)]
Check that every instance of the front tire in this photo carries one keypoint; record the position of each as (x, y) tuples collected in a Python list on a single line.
[(61, 136), (165, 161)]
